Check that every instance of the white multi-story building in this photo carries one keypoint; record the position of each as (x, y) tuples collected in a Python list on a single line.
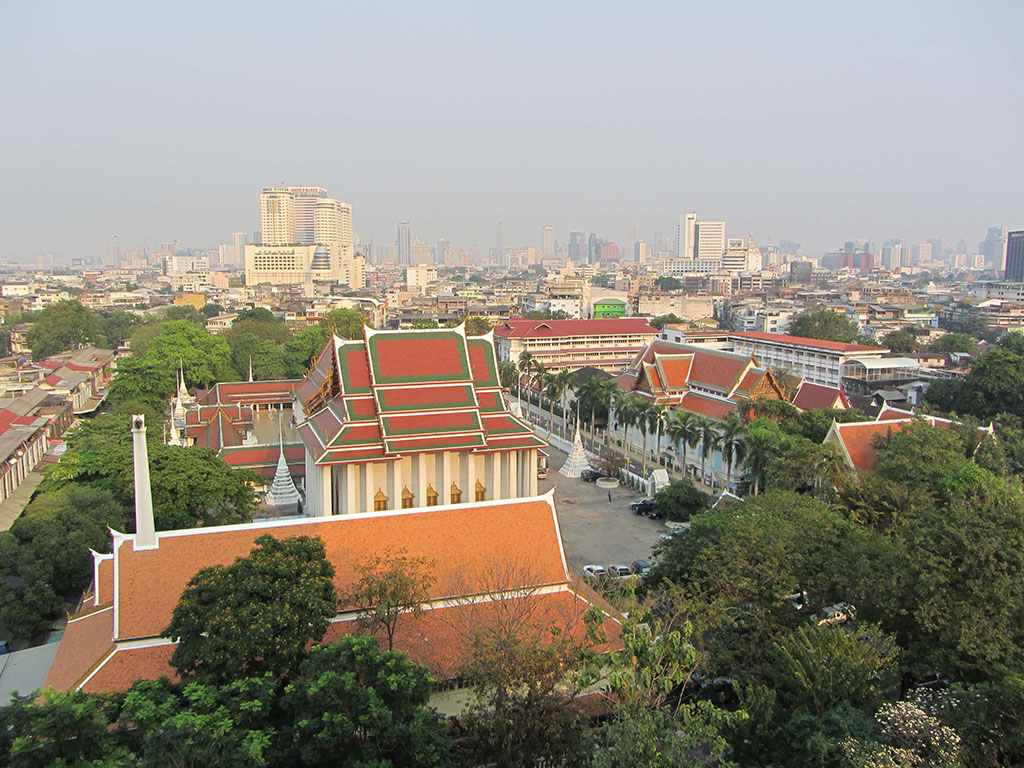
[(710, 240), (686, 235), (277, 217), (305, 203), (817, 361), (418, 277), (608, 344)]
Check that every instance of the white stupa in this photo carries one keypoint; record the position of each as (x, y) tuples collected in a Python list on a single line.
[(577, 461), (283, 493)]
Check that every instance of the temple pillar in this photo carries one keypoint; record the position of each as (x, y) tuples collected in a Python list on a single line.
[(444, 492), (351, 490), (395, 481)]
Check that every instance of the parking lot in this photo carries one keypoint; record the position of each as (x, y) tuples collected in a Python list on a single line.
[(594, 529)]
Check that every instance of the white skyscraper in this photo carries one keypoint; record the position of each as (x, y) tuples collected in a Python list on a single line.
[(686, 236), (277, 217), (548, 241), (305, 201), (238, 239), (710, 240)]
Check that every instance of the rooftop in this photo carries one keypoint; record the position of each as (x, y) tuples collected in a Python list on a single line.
[(803, 341), (521, 328)]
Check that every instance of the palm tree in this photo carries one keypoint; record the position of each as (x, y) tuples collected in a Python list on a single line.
[(538, 375), (625, 416), (682, 430), (509, 373), (732, 446), (656, 419), (557, 387), (525, 366), (758, 453), (641, 418), (605, 395), (590, 395), (709, 438)]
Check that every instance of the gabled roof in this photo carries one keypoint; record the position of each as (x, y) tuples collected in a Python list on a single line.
[(400, 392), (856, 440), (508, 548), (812, 397)]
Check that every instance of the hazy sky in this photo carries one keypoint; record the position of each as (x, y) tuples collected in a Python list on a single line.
[(816, 121)]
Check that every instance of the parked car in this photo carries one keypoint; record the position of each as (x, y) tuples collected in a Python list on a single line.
[(640, 567), (619, 570), (542, 472), (642, 506), (665, 537), (593, 571), (840, 613), (590, 475)]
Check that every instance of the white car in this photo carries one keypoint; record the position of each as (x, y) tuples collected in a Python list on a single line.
[(619, 570), (593, 571)]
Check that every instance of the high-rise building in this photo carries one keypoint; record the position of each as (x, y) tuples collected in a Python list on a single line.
[(238, 240), (499, 247), (332, 224), (640, 251), (938, 253), (443, 252), (892, 254), (994, 247), (404, 243), (577, 248), (1015, 256), (922, 253), (277, 216), (304, 204), (686, 236), (112, 253), (593, 249), (547, 247), (710, 240)]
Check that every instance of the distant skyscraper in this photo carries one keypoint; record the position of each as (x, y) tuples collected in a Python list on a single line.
[(548, 241), (710, 240), (938, 252), (499, 247), (922, 253), (1015, 256), (238, 241), (593, 248), (304, 202), (277, 217), (404, 243), (994, 247), (686, 240), (577, 248), (443, 252), (113, 252)]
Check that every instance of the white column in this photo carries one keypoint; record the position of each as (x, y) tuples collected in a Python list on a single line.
[(513, 474), (444, 492), (468, 493), (351, 490), (371, 487), (327, 491), (421, 480), (395, 500), (532, 477)]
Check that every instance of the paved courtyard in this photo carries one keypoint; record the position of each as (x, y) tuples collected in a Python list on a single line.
[(595, 530)]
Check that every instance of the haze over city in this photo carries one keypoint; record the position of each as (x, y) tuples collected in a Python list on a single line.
[(810, 123)]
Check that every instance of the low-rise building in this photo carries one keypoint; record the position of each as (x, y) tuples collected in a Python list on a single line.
[(816, 360), (608, 344)]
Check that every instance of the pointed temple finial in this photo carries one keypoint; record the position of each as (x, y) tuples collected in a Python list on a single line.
[(250, 367)]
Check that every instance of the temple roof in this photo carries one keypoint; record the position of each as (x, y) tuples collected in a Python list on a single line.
[(481, 554), (401, 392)]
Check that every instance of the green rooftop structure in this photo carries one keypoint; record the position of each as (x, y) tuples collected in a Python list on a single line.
[(609, 308)]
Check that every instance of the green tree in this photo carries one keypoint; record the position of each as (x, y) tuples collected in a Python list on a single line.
[(682, 431), (211, 310), (185, 312), (661, 321), (709, 440), (389, 587), (257, 315), (954, 342), (302, 349), (266, 357), (680, 501), (668, 283), (347, 323), (115, 328), (820, 667), (424, 323), (909, 737), (824, 324), (899, 341), (206, 358), (355, 705), (256, 615), (62, 326), (732, 445), (60, 729), (478, 326)]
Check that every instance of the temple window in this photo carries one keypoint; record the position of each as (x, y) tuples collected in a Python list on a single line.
[(380, 501), (431, 496), (407, 498), (456, 494), (481, 492)]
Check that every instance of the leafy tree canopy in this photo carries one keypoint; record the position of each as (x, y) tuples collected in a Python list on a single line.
[(824, 324), (60, 327)]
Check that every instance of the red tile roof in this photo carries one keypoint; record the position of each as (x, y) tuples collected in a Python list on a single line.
[(711, 407), (858, 438), (477, 549), (521, 328), (811, 397), (803, 341)]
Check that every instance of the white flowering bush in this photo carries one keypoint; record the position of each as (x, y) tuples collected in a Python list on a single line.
[(910, 738)]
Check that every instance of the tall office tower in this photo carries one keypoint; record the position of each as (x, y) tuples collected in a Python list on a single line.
[(443, 252), (404, 243), (238, 239), (1015, 256), (577, 248), (547, 240), (277, 217), (332, 225), (112, 254), (686, 236), (937, 250), (710, 240), (631, 241), (640, 251), (922, 253), (892, 254), (994, 247), (593, 249), (499, 247), (304, 202)]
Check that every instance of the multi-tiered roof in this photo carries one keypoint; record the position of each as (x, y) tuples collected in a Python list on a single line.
[(394, 393)]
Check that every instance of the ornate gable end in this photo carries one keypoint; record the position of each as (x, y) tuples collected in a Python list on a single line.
[(768, 386)]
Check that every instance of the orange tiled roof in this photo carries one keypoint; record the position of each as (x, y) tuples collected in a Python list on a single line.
[(858, 438), (477, 550), (811, 397)]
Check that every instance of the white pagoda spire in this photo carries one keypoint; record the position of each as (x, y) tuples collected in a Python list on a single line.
[(250, 367), (577, 460), (283, 493), (182, 389)]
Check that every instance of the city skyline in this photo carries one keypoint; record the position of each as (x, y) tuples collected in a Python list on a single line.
[(153, 124)]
